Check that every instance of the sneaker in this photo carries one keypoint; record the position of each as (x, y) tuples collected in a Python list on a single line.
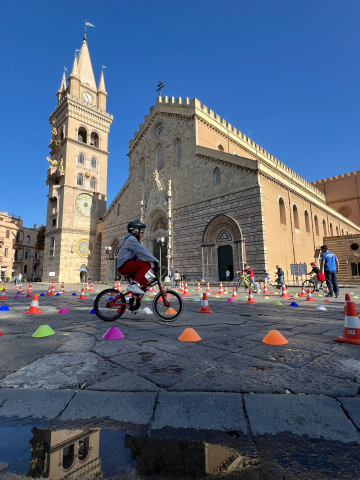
[(329, 295), (135, 289)]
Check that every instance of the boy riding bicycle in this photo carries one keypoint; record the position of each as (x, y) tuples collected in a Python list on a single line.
[(249, 272), (134, 259), (318, 275)]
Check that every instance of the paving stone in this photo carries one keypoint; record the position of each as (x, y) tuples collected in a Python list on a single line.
[(126, 382), (77, 345), (207, 411), (316, 416), (335, 365), (352, 408), (284, 354)]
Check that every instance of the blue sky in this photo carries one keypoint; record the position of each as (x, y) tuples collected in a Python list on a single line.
[(285, 73)]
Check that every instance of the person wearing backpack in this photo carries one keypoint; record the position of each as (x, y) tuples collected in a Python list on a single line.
[(280, 276)]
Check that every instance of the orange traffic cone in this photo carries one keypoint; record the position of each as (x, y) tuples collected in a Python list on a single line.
[(309, 297), (251, 297), (181, 288), (189, 335), (87, 286), (53, 291), (265, 288), (91, 287), (34, 306), (221, 291), (198, 288), (347, 300), (204, 305), (274, 338), (352, 326), (302, 293), (62, 288), (186, 291), (208, 288), (19, 292), (30, 290), (283, 291), (234, 293), (49, 291), (225, 290), (82, 294), (3, 295)]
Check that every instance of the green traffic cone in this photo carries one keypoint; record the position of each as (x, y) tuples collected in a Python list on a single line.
[(217, 296), (87, 294), (266, 298), (147, 299), (43, 331), (277, 302)]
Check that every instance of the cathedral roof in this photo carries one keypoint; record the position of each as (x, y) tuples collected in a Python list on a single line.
[(85, 69)]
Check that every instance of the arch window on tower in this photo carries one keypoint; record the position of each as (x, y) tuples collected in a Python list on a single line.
[(6, 252), (94, 140), (296, 217), (81, 159), (142, 169), (92, 183), (160, 158), (80, 180), (93, 162), (53, 204), (7, 233), (118, 209), (28, 239), (178, 152), (282, 211), (217, 176), (221, 147), (26, 254), (82, 135), (307, 221)]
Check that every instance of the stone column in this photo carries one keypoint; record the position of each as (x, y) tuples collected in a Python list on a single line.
[(169, 245)]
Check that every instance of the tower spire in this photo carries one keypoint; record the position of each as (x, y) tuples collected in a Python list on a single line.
[(62, 87), (101, 87), (84, 66), (75, 70)]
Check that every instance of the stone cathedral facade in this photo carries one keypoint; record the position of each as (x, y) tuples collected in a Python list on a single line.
[(215, 197)]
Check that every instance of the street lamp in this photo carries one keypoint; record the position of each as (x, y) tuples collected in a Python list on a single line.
[(108, 253), (161, 242)]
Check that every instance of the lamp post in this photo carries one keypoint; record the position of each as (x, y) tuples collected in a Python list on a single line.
[(108, 253), (161, 242)]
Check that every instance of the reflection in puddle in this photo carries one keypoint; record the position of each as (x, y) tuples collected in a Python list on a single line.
[(95, 453)]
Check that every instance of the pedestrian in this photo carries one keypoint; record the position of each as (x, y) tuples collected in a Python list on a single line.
[(227, 273), (280, 276), (172, 275), (20, 278), (318, 277), (15, 278), (329, 263), (267, 278), (182, 276), (89, 278), (250, 274), (177, 278)]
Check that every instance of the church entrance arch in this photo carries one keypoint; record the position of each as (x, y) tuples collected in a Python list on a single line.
[(222, 248)]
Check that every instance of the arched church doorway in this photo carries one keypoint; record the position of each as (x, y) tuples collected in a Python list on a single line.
[(83, 272), (222, 248)]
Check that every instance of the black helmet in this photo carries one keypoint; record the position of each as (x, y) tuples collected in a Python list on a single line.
[(135, 224)]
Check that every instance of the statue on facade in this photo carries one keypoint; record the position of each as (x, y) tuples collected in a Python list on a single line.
[(52, 162), (157, 179), (61, 166)]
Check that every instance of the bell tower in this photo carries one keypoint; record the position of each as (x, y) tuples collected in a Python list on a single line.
[(77, 175)]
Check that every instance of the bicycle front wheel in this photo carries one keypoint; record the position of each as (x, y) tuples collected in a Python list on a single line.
[(238, 285), (323, 287), (173, 311), (308, 285), (109, 305)]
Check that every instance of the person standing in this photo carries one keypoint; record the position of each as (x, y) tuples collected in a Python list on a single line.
[(227, 273), (329, 263), (20, 278), (177, 278), (280, 276), (172, 275)]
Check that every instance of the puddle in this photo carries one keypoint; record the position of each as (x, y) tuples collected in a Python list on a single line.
[(29, 452)]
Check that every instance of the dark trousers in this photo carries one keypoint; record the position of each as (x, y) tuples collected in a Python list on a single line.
[(331, 281)]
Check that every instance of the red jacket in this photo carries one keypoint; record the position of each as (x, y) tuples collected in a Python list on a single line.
[(249, 272)]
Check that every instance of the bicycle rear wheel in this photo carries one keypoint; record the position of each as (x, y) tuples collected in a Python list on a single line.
[(238, 285), (173, 311), (308, 285), (323, 287), (104, 307)]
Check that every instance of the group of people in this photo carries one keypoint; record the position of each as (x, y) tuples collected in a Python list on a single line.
[(18, 278)]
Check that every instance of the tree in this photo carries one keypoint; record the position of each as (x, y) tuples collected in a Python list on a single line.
[(40, 238)]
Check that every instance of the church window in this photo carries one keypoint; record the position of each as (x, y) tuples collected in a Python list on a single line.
[(81, 159), (331, 230), (282, 211), (28, 239), (324, 228), (118, 209), (142, 168), (337, 231), (82, 135), (80, 180), (345, 211), (94, 140), (6, 253), (68, 456), (316, 222), (93, 163), (53, 202), (26, 254), (51, 247), (36, 256), (25, 269), (217, 176), (342, 231), (159, 130), (160, 158), (307, 221), (160, 224), (296, 217), (221, 147), (224, 236), (178, 152), (7, 233), (92, 183)]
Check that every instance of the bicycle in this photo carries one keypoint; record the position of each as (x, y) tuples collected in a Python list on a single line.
[(310, 284), (245, 280), (110, 304)]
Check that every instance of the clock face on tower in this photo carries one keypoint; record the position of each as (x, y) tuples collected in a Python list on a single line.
[(87, 97), (85, 204), (84, 247)]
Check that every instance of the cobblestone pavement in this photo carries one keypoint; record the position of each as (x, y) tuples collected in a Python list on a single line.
[(228, 381)]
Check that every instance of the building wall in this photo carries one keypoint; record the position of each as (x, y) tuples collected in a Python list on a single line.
[(8, 224)]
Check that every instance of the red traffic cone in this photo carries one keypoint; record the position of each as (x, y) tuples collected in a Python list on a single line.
[(3, 295), (19, 292), (30, 290), (53, 291), (221, 291), (302, 293), (225, 289), (309, 297), (283, 291), (204, 305), (34, 306), (251, 297), (49, 291), (186, 291), (265, 288), (234, 293), (351, 327), (82, 294), (347, 300), (208, 288), (62, 288), (181, 288), (87, 286), (91, 287), (198, 289)]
